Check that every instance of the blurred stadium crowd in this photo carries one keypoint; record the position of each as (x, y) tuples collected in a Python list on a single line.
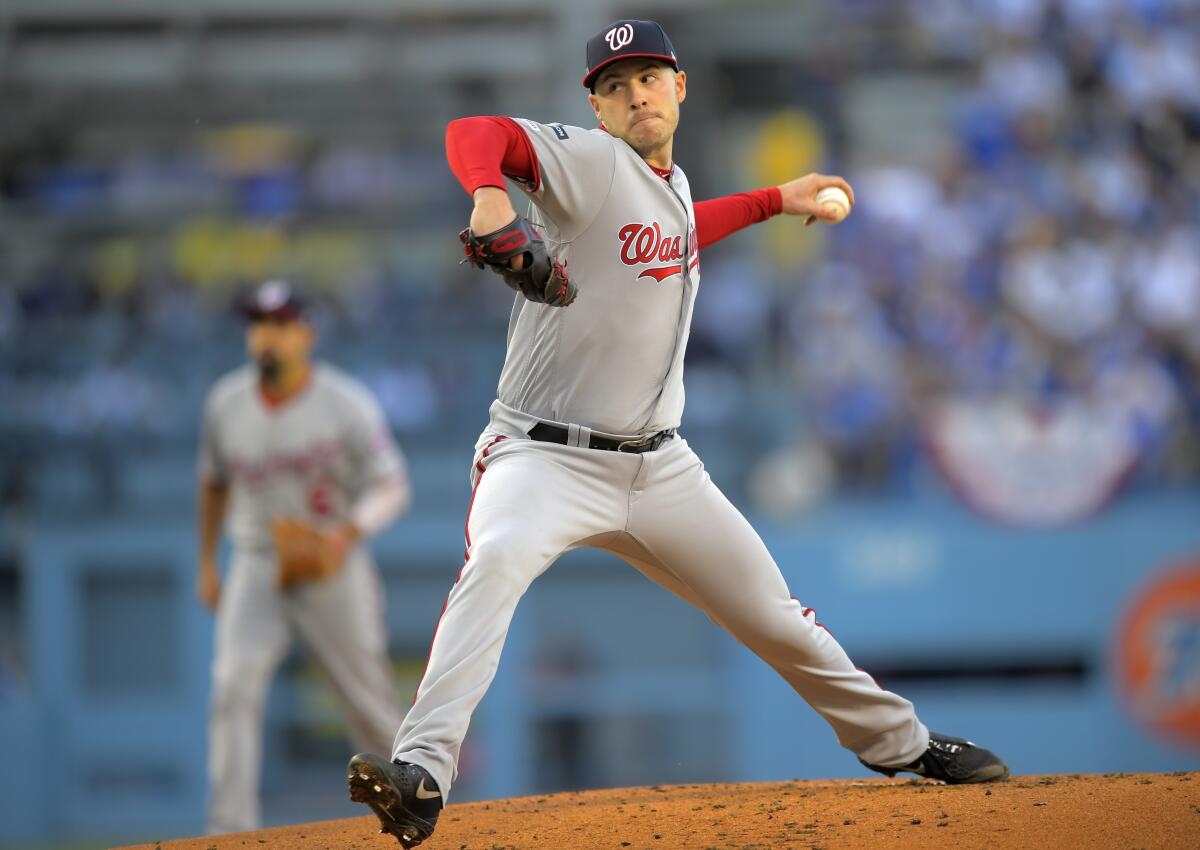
[(1036, 280)]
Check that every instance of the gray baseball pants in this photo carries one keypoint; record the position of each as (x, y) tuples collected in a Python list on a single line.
[(660, 512), (340, 622)]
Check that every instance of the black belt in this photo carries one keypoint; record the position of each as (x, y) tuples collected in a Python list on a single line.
[(547, 433)]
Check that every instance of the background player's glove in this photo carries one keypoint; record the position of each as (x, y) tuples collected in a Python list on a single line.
[(305, 553), (541, 279)]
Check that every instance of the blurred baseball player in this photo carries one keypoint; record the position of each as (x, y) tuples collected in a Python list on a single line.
[(300, 457), (581, 448)]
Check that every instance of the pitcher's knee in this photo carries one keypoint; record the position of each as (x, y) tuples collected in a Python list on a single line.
[(506, 564), (783, 633)]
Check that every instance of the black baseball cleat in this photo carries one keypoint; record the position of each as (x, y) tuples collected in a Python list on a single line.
[(953, 761), (403, 796)]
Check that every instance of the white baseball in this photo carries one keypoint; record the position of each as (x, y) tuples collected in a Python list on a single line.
[(832, 196)]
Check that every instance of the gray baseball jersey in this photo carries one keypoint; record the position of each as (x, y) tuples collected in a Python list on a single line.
[(307, 459), (613, 361)]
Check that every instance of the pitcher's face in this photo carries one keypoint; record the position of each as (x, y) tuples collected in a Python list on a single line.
[(638, 102)]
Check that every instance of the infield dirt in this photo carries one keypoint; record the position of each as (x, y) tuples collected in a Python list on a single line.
[(1078, 811)]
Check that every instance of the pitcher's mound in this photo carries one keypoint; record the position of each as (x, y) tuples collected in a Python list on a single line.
[(1114, 810)]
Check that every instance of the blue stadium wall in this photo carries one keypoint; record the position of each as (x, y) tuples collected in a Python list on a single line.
[(1004, 636)]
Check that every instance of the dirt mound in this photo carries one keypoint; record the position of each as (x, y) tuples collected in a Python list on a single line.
[(1114, 810)]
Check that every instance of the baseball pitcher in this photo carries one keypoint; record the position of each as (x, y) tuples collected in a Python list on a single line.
[(300, 458), (582, 447)]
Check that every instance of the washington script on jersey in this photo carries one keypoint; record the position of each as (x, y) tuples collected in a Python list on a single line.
[(255, 473), (645, 243)]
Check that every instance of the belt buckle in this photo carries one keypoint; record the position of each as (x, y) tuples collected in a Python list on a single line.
[(640, 441)]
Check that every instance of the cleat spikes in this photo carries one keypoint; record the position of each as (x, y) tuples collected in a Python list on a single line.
[(398, 794)]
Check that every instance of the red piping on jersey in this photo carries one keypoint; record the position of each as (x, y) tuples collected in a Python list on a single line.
[(483, 150), (466, 557)]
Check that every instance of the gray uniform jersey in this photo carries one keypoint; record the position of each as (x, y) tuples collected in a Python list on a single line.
[(613, 360), (308, 458)]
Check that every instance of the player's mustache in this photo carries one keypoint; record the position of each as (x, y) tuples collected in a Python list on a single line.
[(268, 367)]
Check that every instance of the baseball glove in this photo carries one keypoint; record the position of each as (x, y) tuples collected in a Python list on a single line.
[(303, 552), (541, 280)]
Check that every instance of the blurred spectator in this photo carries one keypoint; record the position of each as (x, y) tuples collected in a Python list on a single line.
[(1043, 259)]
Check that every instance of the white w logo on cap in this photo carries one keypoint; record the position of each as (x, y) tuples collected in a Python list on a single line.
[(618, 37)]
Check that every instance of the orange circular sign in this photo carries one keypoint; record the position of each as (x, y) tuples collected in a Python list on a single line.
[(1158, 654)]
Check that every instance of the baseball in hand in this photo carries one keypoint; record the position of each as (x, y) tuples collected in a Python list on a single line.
[(834, 200)]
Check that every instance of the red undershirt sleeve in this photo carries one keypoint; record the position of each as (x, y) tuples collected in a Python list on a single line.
[(482, 151), (719, 217)]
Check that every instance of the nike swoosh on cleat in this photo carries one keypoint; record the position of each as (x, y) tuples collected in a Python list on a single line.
[(425, 794)]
